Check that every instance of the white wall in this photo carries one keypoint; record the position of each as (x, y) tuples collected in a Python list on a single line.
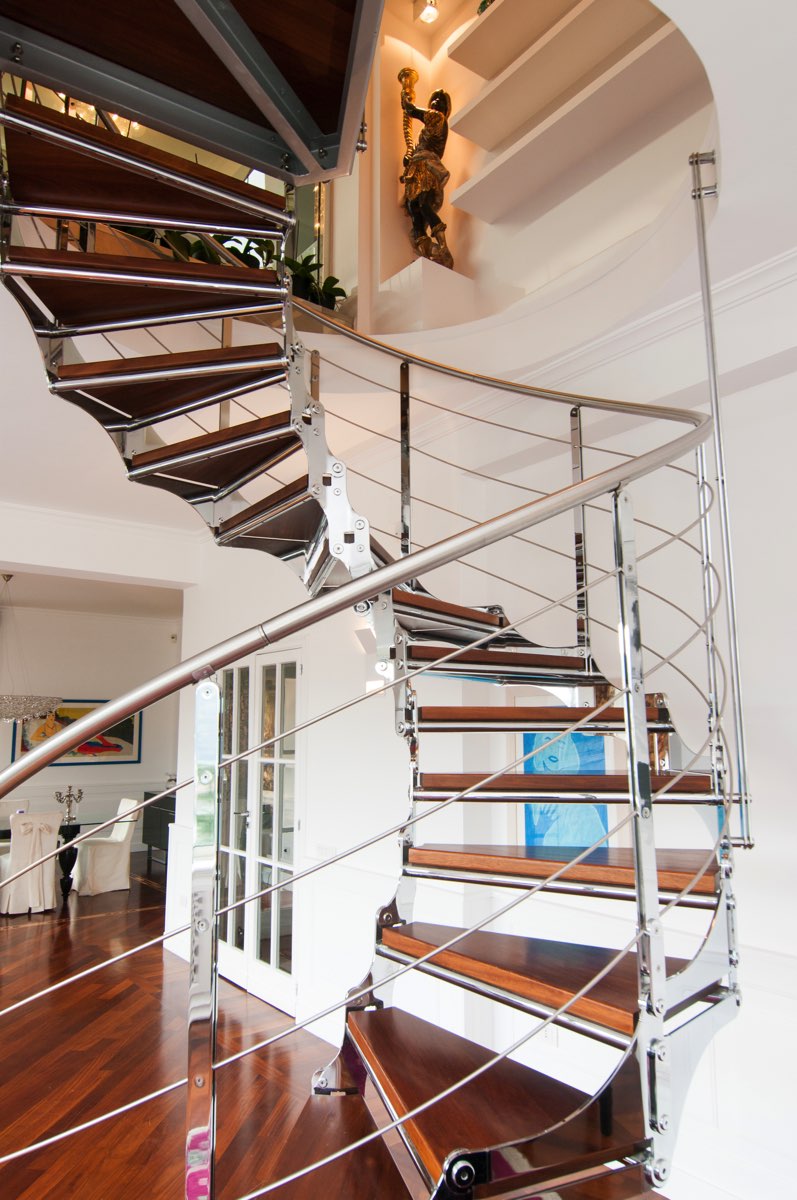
[(94, 656), (353, 775)]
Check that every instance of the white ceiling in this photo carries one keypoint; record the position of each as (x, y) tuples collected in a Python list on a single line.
[(62, 592)]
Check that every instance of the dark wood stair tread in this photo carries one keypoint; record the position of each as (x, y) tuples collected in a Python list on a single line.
[(235, 358), (158, 271), (224, 454), (412, 1060), (553, 784), (546, 717), (38, 166), (280, 523), (524, 665), (609, 865), (78, 301), (131, 401), (421, 604), (536, 969)]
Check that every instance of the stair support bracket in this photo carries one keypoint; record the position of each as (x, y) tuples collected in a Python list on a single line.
[(348, 532)]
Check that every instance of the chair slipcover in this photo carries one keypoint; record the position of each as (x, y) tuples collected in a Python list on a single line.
[(103, 862), (7, 807), (32, 836)]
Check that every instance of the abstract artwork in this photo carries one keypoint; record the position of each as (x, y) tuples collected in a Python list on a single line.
[(551, 823), (119, 744)]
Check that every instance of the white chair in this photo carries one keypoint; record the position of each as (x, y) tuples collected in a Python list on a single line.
[(32, 836), (103, 862), (7, 807)]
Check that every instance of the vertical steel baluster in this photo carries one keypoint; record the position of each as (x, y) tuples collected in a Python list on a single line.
[(406, 492), (709, 601), (699, 193), (652, 1048), (201, 1097), (579, 522)]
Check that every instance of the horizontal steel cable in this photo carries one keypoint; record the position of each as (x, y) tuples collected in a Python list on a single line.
[(107, 962), (404, 824), (543, 1024), (350, 997), (450, 1091), (395, 391), (521, 487), (81, 837), (116, 1112)]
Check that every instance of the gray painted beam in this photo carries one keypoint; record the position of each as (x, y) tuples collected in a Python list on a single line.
[(25, 51), (234, 44)]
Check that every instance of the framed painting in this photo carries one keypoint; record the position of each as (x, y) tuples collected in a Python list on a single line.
[(119, 744), (556, 824)]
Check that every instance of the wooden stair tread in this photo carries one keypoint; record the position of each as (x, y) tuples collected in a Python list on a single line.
[(282, 522), (546, 717), (537, 969), (553, 783), (522, 665), (419, 603), (412, 1060), (76, 301), (157, 270), (38, 166), (610, 865), (221, 442), (115, 402), (244, 358)]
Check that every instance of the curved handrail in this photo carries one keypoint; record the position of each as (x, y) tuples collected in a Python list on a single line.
[(628, 407), (310, 612)]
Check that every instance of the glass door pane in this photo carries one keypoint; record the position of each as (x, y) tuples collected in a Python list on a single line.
[(277, 812), (233, 804)]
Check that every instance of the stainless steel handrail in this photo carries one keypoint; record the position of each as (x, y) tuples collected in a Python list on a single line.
[(294, 620), (522, 389)]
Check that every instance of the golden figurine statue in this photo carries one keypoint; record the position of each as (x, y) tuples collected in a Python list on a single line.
[(424, 176)]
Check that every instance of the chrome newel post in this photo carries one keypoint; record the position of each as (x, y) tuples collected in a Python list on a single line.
[(201, 1096), (579, 522), (652, 1048), (699, 193)]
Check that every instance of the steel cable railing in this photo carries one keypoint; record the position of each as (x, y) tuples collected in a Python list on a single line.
[(450, 550), (497, 1058)]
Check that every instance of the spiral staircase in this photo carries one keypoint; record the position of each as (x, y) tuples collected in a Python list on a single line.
[(473, 1122)]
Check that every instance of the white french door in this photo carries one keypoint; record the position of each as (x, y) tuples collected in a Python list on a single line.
[(258, 826)]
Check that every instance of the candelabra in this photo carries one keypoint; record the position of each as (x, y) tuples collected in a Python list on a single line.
[(70, 799)]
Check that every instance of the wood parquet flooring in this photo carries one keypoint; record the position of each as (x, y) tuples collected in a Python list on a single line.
[(120, 1034)]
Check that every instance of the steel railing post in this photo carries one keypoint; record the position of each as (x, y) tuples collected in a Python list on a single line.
[(201, 1095), (579, 523), (652, 1048), (699, 193), (406, 488)]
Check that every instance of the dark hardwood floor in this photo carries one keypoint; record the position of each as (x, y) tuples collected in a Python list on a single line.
[(120, 1034), (106, 1040)]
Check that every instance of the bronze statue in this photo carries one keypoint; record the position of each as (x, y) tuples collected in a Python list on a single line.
[(424, 176)]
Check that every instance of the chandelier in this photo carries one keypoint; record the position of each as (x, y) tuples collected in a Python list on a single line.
[(19, 706)]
